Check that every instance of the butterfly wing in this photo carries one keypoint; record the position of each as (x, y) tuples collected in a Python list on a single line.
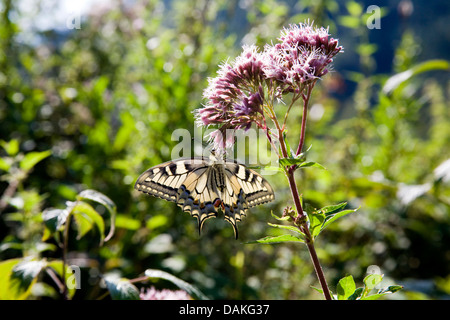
[(192, 184), (245, 188), (187, 182)]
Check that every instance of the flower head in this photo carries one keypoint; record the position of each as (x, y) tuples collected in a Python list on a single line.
[(301, 56), (234, 98)]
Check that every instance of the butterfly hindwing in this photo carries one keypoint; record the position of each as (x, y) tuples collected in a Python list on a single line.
[(201, 187), (256, 189)]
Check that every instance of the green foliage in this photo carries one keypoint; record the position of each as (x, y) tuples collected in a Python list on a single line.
[(346, 288)]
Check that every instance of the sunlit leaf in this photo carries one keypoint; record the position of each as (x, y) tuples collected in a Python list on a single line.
[(372, 280), (86, 217), (345, 288), (17, 276), (277, 239), (32, 158), (121, 288), (396, 80), (333, 217), (54, 219), (290, 228), (11, 147), (99, 197)]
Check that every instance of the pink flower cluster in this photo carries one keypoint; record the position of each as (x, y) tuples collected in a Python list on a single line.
[(235, 98), (165, 294), (301, 56)]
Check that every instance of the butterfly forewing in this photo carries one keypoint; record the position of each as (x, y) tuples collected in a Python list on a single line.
[(202, 187)]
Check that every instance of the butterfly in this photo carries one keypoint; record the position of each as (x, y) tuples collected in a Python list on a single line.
[(201, 186)]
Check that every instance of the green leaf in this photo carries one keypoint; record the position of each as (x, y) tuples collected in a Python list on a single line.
[(315, 223), (54, 219), (330, 218), (99, 197), (32, 158), (5, 163), (312, 164), (125, 222), (372, 280), (345, 288), (288, 147), (300, 162), (354, 8), (17, 276), (190, 289), (316, 219), (396, 80), (383, 292), (290, 228), (86, 217), (11, 147), (357, 294), (277, 239), (121, 288), (330, 209), (390, 289), (7, 291)]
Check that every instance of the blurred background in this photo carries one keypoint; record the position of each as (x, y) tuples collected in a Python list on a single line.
[(103, 84)]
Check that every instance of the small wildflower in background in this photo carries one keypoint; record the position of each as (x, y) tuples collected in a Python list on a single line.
[(164, 294)]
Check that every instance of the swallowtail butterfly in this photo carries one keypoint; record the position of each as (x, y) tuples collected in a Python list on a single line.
[(202, 186)]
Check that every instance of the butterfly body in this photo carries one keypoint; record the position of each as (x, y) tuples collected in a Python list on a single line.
[(202, 186)]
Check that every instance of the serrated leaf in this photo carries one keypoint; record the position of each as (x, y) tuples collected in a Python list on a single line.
[(32, 158), (190, 289), (121, 288), (86, 217), (99, 197), (345, 288), (277, 239)]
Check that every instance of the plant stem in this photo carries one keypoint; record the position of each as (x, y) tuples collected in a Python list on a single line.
[(309, 241), (300, 220), (304, 115)]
